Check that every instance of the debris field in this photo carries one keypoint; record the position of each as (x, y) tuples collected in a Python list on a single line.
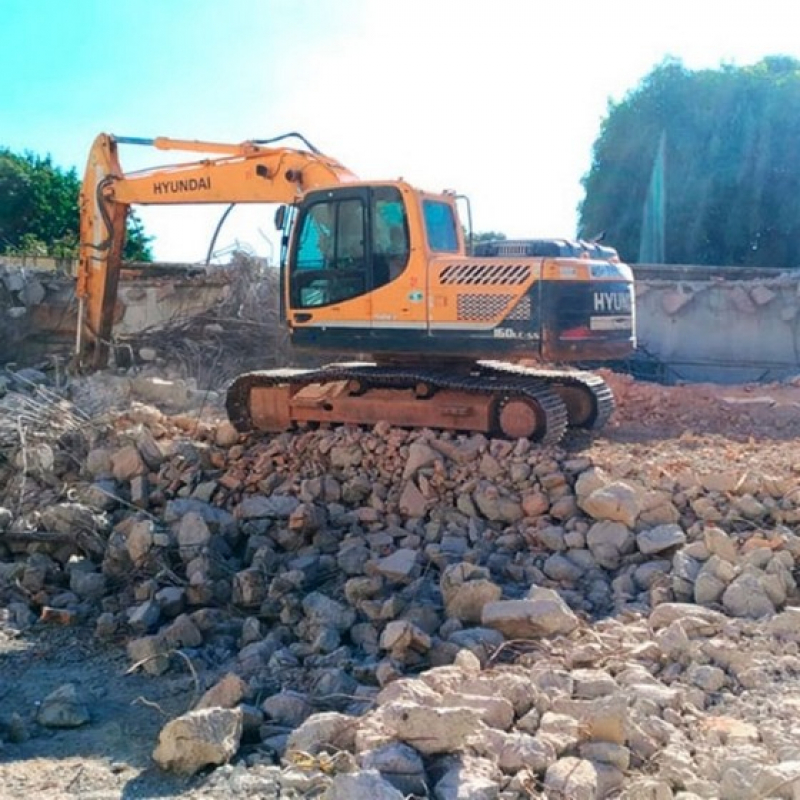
[(380, 613)]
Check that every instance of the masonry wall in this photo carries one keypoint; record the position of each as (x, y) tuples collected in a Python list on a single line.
[(719, 328)]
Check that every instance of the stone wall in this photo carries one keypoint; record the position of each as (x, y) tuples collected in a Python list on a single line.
[(718, 328)]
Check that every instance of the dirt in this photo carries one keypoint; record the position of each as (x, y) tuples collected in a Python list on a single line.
[(656, 430)]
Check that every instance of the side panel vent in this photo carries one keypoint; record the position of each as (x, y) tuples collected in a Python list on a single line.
[(482, 307), (485, 274)]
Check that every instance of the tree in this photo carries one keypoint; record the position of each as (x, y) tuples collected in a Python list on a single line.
[(731, 167), (39, 213)]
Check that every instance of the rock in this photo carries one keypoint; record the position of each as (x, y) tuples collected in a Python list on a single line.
[(496, 712), (209, 736), (720, 544), (401, 636), (261, 507), (609, 541), (63, 708), (226, 435), (468, 778), (602, 719), (431, 730), (289, 708), (193, 536), (420, 455), (173, 395), (515, 751), (617, 502), (328, 730), (660, 538), (466, 589), (226, 693), (571, 777), (412, 502), (324, 612), (127, 464), (495, 506), (694, 619), (399, 764), (543, 613), (399, 567), (747, 597), (364, 785)]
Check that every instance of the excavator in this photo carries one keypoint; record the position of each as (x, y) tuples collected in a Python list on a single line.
[(451, 337)]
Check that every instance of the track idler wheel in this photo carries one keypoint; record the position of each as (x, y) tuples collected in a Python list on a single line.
[(580, 402), (521, 418)]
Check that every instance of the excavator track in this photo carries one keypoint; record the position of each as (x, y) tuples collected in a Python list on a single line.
[(588, 398), (508, 403)]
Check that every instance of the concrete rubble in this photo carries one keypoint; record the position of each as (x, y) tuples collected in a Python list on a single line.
[(532, 623)]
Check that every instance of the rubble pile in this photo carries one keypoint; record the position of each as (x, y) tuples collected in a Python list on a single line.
[(394, 613)]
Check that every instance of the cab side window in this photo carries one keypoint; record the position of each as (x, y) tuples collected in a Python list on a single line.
[(440, 226)]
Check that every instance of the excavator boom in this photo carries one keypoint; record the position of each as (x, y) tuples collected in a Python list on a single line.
[(244, 173)]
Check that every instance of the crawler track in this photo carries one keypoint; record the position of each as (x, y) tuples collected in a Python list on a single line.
[(589, 399), (522, 397)]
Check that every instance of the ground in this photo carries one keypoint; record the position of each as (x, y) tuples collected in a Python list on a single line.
[(655, 428)]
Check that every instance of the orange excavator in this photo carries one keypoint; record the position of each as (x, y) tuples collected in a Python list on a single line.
[(457, 339)]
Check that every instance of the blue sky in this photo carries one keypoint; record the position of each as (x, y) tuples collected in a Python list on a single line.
[(499, 100)]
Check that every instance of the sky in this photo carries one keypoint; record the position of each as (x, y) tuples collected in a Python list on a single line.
[(497, 100)]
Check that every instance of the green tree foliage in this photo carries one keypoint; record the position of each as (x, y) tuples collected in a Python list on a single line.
[(732, 164), (39, 210)]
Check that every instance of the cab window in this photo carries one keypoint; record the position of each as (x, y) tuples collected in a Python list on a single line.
[(390, 246), (440, 226), (331, 264)]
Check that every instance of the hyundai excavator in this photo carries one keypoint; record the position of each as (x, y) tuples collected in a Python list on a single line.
[(456, 341)]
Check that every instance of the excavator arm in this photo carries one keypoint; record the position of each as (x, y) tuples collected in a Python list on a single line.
[(251, 172)]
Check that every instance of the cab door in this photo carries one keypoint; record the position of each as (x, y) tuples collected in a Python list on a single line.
[(330, 272)]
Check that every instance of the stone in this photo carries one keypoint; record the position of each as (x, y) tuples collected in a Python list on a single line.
[(288, 707), (399, 567), (228, 692), (515, 751), (496, 712), (412, 502), (226, 435), (208, 736), (324, 612), (543, 613), (364, 785), (720, 544), (324, 731), (609, 541), (63, 708), (127, 463), (572, 777), (466, 589), (431, 730), (660, 538), (420, 455), (399, 765), (193, 536), (694, 618), (617, 502), (747, 597), (275, 506), (468, 778), (400, 636), (495, 506)]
